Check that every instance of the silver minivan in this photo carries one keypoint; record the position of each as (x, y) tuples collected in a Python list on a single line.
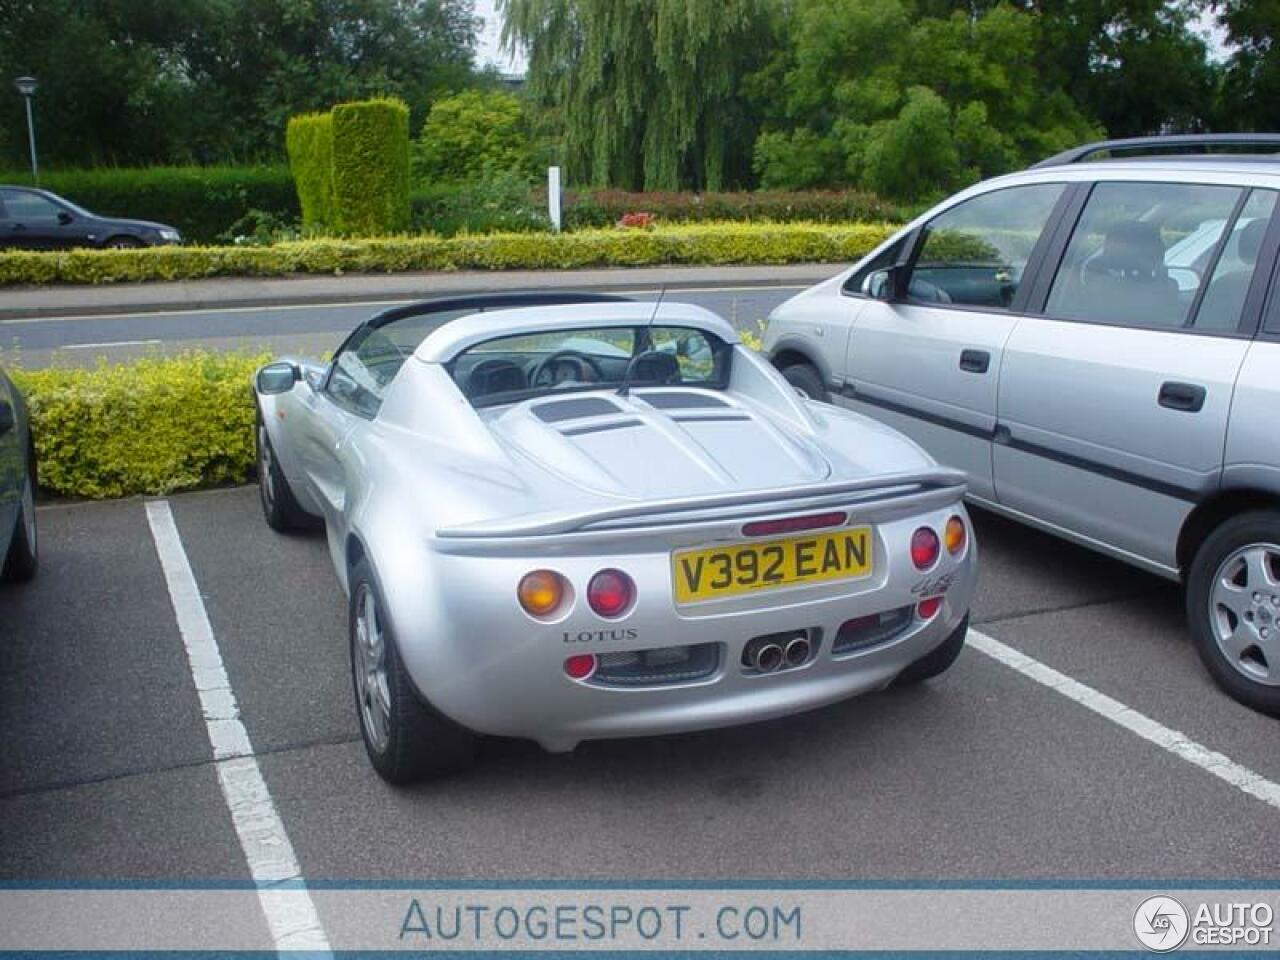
[(1096, 342)]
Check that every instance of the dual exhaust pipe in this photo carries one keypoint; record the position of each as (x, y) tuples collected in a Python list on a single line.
[(767, 654)]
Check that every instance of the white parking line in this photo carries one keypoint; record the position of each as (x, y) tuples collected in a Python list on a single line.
[(291, 914), (1174, 741), (111, 343)]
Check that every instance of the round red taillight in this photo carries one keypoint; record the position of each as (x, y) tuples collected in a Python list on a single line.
[(610, 593), (541, 592), (928, 609), (580, 666), (924, 548), (955, 535)]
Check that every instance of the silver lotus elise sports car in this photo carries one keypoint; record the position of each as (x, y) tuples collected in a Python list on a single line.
[(568, 517)]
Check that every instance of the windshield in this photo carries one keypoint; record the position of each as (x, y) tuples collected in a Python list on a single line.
[(519, 367)]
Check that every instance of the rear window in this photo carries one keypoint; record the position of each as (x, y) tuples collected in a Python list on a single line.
[(522, 366)]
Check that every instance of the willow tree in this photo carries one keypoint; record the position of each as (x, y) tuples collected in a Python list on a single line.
[(644, 92)]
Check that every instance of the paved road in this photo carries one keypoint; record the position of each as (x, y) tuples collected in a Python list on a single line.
[(106, 771), (313, 328)]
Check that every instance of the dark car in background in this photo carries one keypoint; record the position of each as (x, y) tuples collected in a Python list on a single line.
[(33, 219), (18, 546)]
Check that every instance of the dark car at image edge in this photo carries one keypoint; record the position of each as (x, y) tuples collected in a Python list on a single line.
[(35, 219)]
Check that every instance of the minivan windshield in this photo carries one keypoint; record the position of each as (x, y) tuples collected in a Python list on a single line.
[(518, 367)]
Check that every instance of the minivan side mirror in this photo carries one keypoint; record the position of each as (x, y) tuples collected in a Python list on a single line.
[(885, 284), (278, 377), (65, 218)]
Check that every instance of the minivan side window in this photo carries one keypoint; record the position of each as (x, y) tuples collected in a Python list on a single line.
[(1224, 295), (975, 253), (883, 260), (1139, 253)]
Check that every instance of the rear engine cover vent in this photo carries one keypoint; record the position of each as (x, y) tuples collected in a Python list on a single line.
[(682, 401), (574, 409)]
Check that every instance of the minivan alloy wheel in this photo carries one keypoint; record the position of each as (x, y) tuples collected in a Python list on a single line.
[(1244, 611)]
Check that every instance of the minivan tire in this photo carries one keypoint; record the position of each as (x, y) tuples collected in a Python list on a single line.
[(807, 380), (1248, 672)]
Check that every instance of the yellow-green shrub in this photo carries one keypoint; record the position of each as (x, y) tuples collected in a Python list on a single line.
[(371, 166), (151, 426), (308, 141), (689, 244)]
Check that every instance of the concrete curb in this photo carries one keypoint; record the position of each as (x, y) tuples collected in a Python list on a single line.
[(65, 301)]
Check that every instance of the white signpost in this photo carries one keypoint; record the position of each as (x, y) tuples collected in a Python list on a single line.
[(553, 197)]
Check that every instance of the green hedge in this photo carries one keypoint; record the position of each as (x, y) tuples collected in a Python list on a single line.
[(602, 208), (202, 202), (151, 426), (713, 244), (371, 166), (309, 144)]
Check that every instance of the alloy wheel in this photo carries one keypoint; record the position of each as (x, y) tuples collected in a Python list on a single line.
[(1244, 611), (266, 463), (372, 690)]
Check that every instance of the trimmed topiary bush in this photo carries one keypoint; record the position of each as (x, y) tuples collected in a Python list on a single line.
[(151, 426), (309, 144), (371, 167), (715, 243)]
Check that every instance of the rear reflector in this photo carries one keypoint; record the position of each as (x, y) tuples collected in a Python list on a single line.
[(580, 666), (763, 528), (928, 609)]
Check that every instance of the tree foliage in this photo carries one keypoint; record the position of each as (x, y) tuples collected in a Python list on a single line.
[(645, 92), (145, 81), (473, 134), (909, 105)]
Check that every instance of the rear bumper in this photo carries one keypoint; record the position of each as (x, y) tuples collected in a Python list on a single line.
[(478, 658)]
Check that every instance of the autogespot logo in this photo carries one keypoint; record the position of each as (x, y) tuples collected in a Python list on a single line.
[(1161, 924)]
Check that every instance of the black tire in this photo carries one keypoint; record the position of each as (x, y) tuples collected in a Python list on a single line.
[(936, 661), (1204, 619), (122, 243), (419, 742), (807, 380), (23, 559), (279, 505)]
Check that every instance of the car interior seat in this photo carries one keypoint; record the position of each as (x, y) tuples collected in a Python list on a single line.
[(1127, 281), (1223, 301)]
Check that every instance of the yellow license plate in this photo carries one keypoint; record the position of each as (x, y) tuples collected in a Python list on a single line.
[(715, 572)]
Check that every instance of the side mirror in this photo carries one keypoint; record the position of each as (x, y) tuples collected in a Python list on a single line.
[(7, 419), (278, 377), (65, 218), (886, 285)]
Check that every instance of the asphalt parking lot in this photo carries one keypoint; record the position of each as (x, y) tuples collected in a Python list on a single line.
[(106, 770)]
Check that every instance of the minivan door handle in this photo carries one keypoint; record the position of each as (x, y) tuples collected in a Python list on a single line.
[(975, 361), (1187, 397)]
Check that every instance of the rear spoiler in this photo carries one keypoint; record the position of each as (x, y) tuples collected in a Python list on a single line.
[(940, 484)]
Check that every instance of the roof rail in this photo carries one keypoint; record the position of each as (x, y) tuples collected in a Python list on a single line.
[(1170, 143)]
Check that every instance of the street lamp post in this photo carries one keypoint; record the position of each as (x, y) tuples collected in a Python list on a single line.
[(27, 87)]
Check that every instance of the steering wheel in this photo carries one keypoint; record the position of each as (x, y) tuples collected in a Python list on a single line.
[(653, 366), (584, 369)]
